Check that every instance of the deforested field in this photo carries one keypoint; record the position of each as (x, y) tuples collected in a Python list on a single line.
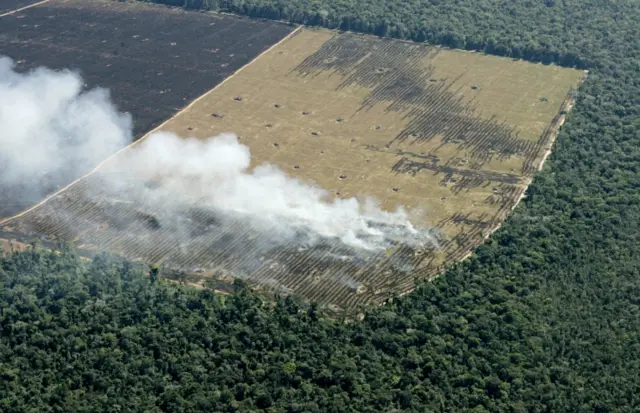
[(455, 136), (154, 60)]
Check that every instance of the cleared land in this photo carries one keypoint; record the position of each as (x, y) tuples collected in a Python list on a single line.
[(154, 60), (455, 134)]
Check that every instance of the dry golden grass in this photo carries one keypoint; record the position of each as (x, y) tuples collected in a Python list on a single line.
[(508, 91), (454, 136)]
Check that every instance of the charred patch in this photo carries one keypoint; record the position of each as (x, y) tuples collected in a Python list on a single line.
[(400, 77)]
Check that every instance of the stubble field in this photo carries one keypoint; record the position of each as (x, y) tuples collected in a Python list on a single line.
[(153, 60), (453, 136)]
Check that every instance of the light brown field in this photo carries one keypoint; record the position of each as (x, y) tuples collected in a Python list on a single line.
[(362, 146), (454, 136)]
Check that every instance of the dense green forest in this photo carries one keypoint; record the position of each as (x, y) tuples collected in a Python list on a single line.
[(545, 317), (561, 31)]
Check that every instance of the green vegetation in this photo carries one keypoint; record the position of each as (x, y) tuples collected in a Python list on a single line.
[(545, 317), (546, 30), (101, 337)]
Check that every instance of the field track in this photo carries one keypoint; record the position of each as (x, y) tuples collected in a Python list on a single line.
[(8, 7)]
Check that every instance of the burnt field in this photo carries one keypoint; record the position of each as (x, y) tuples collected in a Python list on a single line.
[(456, 134), (154, 60)]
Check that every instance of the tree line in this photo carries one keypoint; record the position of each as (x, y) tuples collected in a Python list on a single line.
[(517, 29)]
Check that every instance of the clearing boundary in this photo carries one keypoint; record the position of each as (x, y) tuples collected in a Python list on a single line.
[(411, 124)]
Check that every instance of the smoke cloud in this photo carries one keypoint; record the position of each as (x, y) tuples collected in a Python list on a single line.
[(51, 129), (216, 172), (51, 126)]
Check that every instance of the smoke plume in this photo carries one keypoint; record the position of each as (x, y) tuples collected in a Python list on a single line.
[(51, 130), (216, 172), (51, 126)]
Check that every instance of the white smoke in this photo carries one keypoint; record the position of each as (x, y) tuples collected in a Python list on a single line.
[(51, 129), (216, 172), (49, 125)]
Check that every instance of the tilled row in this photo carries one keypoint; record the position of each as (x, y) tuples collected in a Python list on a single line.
[(198, 239)]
